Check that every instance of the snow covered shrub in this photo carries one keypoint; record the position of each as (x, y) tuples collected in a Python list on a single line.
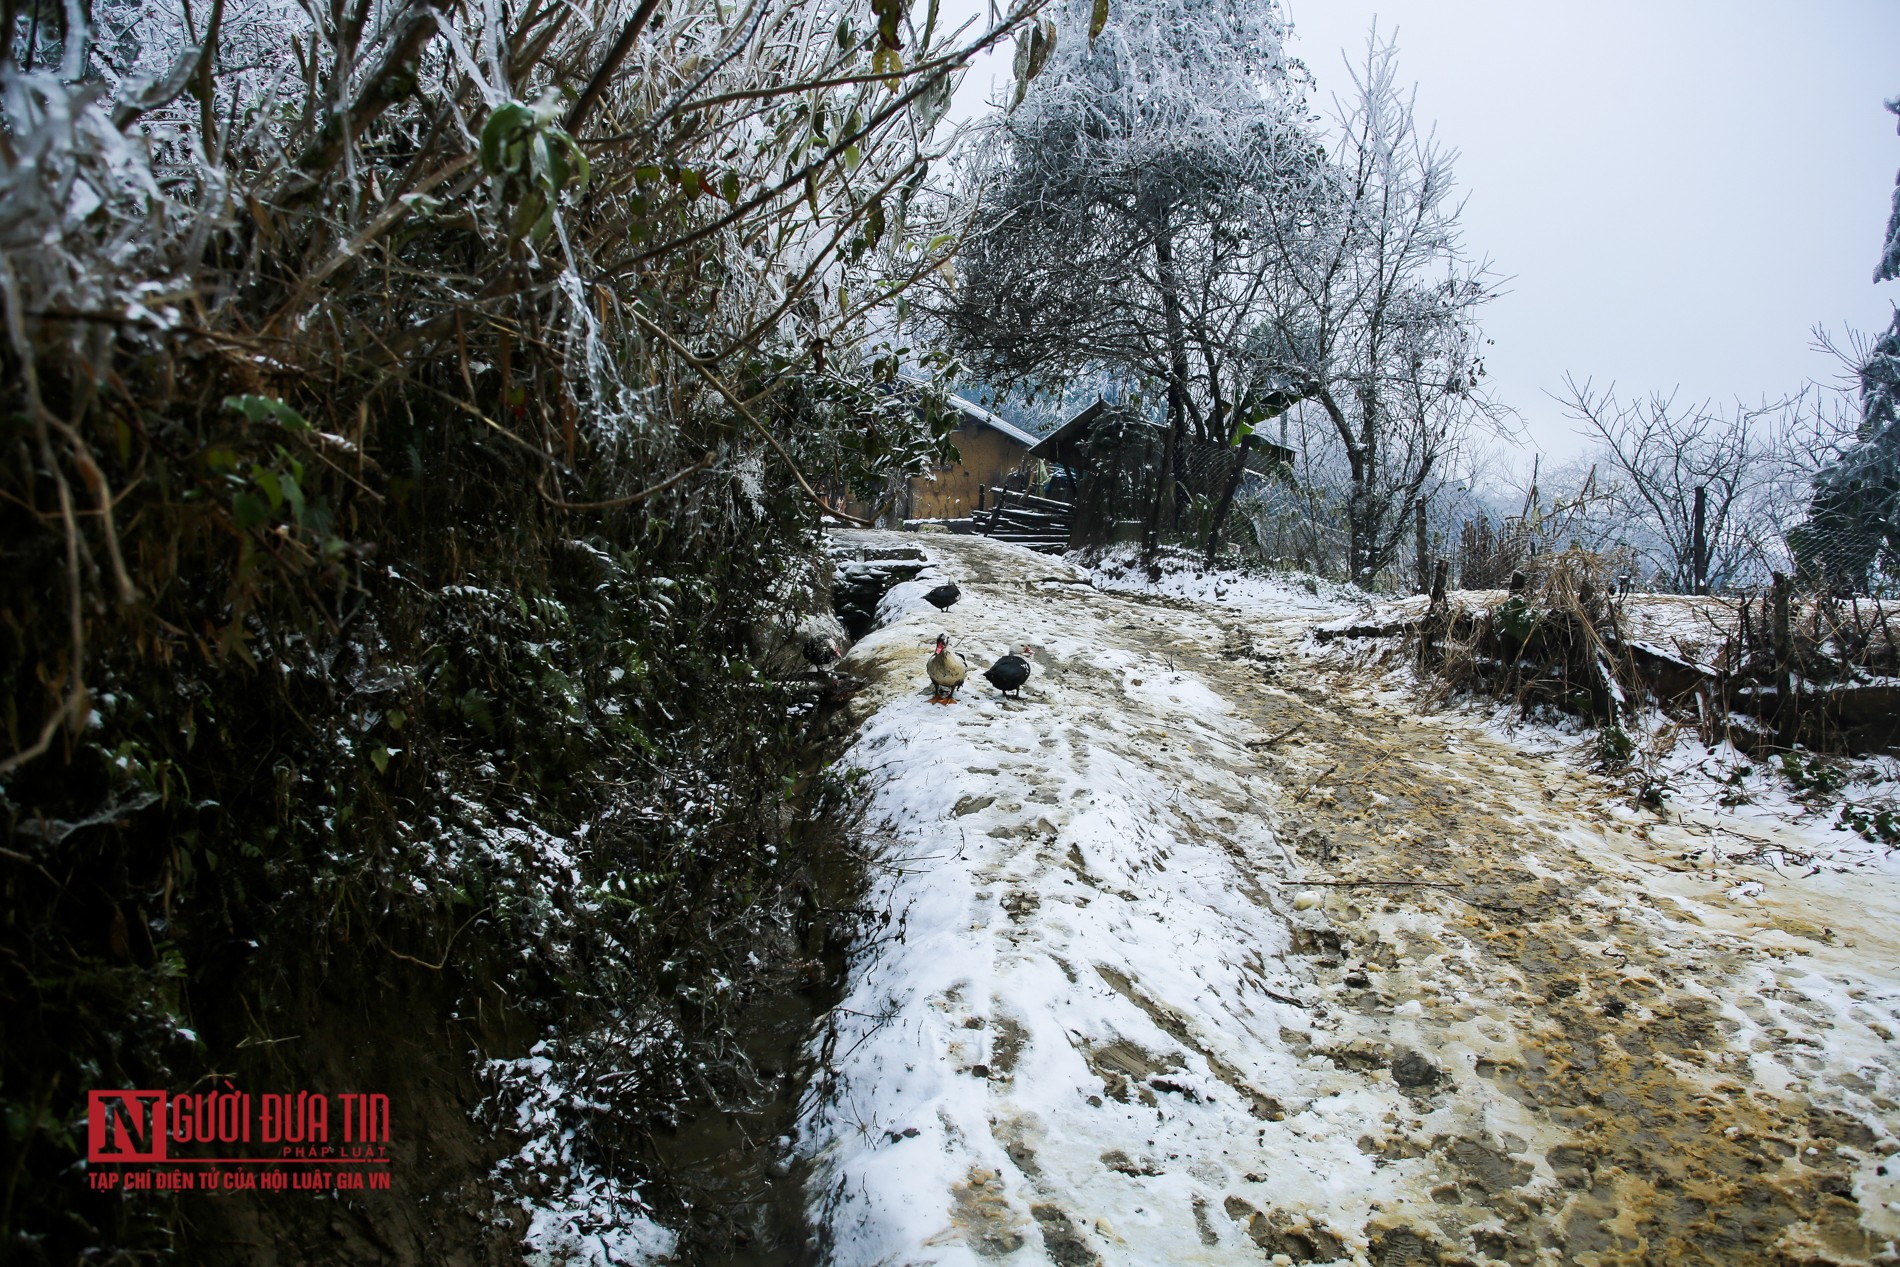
[(410, 410)]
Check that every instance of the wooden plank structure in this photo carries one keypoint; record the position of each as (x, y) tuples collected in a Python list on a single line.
[(1068, 444), (993, 451), (1113, 457), (1041, 523)]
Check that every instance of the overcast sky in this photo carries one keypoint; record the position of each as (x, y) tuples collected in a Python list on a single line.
[(1678, 190)]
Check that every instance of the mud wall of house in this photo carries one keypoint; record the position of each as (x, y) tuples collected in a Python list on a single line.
[(990, 460)]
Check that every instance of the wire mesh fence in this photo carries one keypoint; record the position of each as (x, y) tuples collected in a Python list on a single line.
[(1846, 558)]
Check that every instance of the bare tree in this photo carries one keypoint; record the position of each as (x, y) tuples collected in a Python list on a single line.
[(1371, 302), (1659, 459)]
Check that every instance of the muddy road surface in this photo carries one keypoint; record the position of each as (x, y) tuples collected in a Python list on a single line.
[(1208, 952)]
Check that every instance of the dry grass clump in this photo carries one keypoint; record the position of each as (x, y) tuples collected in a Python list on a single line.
[(1551, 638)]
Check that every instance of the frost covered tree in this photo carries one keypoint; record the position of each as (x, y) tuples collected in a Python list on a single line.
[(1854, 517), (1371, 303), (1119, 206)]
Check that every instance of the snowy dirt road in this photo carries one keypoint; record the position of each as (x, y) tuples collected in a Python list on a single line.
[(1212, 954)]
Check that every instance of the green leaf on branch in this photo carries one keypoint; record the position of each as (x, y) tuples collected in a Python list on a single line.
[(503, 122), (889, 13), (267, 480), (534, 161), (934, 101), (292, 492), (249, 510), (1032, 54), (547, 163), (583, 170), (267, 409)]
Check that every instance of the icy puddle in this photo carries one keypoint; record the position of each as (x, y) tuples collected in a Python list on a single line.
[(1203, 954)]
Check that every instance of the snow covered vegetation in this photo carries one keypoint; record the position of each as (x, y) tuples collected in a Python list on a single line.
[(416, 414), (1163, 208)]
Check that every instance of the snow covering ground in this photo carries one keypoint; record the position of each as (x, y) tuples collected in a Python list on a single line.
[(1210, 951), (1257, 594), (582, 1218)]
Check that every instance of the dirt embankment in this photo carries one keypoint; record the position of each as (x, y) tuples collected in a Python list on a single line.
[(406, 1033)]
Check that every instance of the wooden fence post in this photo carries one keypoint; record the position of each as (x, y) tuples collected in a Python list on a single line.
[(1699, 543), (1435, 616), (1785, 715), (1418, 528)]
